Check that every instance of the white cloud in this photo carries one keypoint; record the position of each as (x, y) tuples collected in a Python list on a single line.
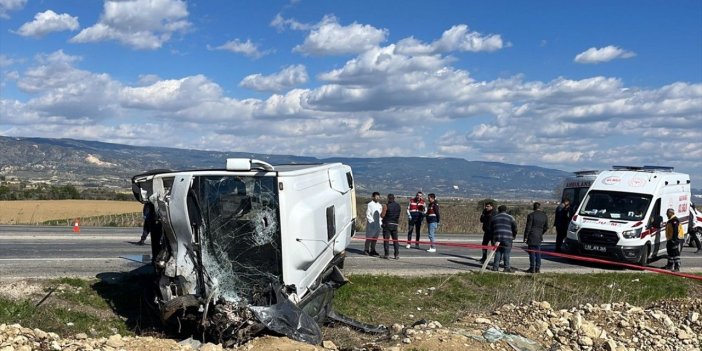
[(286, 78), (330, 38), (6, 61), (380, 94), (47, 22), (171, 95), (7, 6), (605, 54), (140, 24), (280, 23), (457, 38), (247, 48)]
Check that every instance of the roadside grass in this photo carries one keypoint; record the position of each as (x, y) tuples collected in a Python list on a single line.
[(390, 299), (61, 320), (94, 307), (122, 305)]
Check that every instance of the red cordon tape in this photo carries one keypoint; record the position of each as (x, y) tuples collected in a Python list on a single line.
[(551, 253)]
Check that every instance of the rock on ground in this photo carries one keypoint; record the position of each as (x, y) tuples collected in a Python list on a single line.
[(666, 325)]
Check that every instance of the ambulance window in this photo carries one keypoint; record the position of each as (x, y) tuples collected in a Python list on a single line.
[(655, 213), (569, 193)]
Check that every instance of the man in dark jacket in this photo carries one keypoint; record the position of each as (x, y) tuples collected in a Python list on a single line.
[(391, 218), (536, 226), (673, 235), (561, 222), (504, 230), (485, 218), (149, 213)]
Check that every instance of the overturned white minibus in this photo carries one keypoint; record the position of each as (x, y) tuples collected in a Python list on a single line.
[(250, 245)]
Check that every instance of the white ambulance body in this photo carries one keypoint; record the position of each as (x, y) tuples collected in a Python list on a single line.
[(575, 187), (623, 214)]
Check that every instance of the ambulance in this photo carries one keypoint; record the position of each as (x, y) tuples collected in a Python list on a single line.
[(623, 214), (575, 187)]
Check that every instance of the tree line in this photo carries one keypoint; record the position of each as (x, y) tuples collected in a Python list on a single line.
[(60, 192)]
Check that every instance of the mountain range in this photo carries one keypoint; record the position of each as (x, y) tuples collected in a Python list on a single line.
[(98, 164)]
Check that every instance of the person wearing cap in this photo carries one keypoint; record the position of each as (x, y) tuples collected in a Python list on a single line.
[(415, 212), (674, 234)]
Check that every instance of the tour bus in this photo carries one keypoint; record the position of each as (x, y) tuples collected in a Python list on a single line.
[(575, 187), (623, 215)]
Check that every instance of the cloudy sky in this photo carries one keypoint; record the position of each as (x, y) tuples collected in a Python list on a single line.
[(567, 85)]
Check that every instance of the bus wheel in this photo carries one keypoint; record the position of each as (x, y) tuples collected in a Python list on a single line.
[(643, 261)]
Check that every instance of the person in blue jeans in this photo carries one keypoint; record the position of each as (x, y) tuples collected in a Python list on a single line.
[(536, 226), (504, 230), (433, 220)]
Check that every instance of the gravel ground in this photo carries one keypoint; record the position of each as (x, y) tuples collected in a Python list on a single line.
[(666, 325)]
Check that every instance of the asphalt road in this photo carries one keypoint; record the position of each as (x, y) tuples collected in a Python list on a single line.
[(40, 252)]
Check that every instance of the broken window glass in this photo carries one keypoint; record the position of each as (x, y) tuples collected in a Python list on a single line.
[(241, 253)]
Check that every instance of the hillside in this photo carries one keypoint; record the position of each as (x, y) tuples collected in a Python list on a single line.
[(98, 164)]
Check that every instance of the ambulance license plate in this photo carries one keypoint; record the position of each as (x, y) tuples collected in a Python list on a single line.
[(597, 248)]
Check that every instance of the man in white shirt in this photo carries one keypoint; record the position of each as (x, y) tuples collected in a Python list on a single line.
[(373, 228)]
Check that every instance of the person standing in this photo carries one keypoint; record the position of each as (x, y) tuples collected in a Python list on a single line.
[(485, 219), (561, 222), (433, 220), (149, 213), (536, 226), (504, 229), (415, 213), (391, 219), (692, 230), (673, 234), (373, 210)]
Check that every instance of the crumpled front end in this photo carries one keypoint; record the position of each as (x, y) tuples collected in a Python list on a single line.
[(219, 264)]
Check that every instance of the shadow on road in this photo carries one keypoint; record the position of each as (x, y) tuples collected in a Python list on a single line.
[(130, 295)]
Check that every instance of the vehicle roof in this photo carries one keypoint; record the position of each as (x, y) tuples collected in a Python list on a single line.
[(638, 181), (280, 170)]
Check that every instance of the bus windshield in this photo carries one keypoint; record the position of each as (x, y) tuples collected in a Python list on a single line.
[(615, 205)]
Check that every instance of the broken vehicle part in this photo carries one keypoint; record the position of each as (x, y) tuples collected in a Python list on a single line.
[(251, 246)]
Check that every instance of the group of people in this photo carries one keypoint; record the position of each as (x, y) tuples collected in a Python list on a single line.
[(385, 219), (500, 228)]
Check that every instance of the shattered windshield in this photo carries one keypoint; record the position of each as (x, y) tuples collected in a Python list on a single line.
[(241, 252), (615, 205)]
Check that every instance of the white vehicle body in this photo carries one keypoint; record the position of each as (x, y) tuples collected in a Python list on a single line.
[(694, 226), (623, 214), (575, 187), (231, 236)]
